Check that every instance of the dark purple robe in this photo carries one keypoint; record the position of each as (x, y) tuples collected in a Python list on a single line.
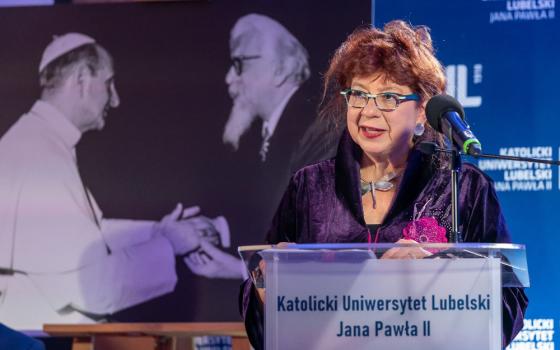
[(323, 204)]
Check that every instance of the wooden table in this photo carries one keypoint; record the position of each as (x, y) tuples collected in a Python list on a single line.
[(146, 336)]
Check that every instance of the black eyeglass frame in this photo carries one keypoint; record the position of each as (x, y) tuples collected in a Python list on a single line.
[(237, 62)]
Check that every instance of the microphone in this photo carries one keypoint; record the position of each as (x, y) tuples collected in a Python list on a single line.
[(446, 115)]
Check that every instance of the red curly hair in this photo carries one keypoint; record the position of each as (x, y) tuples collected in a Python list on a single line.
[(400, 52)]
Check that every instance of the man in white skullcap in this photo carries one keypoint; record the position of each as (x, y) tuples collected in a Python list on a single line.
[(60, 260)]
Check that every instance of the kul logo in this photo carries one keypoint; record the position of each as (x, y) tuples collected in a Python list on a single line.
[(457, 84)]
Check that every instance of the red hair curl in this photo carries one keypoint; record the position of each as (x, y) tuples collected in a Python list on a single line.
[(400, 52)]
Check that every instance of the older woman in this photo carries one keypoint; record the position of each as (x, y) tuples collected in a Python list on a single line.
[(379, 187)]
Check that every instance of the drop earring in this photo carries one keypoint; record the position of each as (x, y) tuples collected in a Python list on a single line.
[(419, 129)]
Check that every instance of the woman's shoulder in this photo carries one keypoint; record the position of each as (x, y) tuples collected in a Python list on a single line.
[(472, 172), (321, 170)]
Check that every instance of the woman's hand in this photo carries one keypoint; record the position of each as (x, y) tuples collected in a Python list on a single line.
[(261, 292), (411, 252)]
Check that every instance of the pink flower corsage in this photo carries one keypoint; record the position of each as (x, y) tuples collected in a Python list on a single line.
[(425, 230)]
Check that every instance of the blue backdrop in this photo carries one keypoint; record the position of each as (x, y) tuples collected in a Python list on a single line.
[(501, 60)]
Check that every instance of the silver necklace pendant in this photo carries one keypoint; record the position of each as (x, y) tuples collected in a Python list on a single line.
[(384, 184)]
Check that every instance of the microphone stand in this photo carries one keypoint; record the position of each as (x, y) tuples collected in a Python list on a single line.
[(455, 167)]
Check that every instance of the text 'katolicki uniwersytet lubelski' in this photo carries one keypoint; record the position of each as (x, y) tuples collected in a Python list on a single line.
[(400, 306)]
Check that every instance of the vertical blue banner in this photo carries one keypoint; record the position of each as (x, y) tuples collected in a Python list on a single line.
[(501, 60)]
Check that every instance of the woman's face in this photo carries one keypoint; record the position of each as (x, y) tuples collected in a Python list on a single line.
[(383, 135)]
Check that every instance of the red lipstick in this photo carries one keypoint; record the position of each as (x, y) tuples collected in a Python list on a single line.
[(371, 133)]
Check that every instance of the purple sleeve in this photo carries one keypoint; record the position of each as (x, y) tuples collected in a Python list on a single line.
[(252, 312), (483, 222), (284, 223)]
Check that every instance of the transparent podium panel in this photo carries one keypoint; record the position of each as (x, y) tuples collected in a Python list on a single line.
[(347, 296)]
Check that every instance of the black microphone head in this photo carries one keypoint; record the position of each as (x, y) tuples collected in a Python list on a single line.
[(438, 105)]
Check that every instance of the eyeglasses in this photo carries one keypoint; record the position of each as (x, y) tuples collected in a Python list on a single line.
[(385, 101), (237, 62)]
